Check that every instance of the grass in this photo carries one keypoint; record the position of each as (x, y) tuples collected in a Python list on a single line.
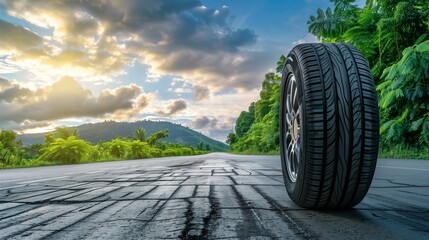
[(399, 151), (403, 151)]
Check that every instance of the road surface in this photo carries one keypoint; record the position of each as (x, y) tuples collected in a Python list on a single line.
[(214, 196)]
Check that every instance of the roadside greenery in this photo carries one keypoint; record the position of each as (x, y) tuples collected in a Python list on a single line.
[(65, 147), (393, 37)]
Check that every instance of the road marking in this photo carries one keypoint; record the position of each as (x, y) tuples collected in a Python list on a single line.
[(417, 169), (41, 180), (93, 172)]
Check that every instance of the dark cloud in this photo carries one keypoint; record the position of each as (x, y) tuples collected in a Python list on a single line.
[(4, 83), (26, 125), (13, 92), (201, 92), (180, 37), (174, 107), (215, 128), (64, 99), (15, 37), (204, 122)]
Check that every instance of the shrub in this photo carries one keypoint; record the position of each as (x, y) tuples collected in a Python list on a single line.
[(70, 150)]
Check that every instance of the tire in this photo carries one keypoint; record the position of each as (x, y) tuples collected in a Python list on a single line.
[(329, 126)]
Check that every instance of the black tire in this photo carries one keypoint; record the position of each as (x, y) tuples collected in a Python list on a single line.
[(329, 136)]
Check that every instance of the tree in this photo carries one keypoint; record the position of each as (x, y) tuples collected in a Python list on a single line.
[(207, 148), (117, 148), (381, 30), (139, 149), (200, 145), (49, 138), (65, 132), (7, 145), (331, 25), (156, 136), (140, 135), (7, 139), (387, 33), (404, 100), (231, 138), (245, 121)]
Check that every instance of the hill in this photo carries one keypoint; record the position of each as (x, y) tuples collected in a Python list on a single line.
[(108, 130)]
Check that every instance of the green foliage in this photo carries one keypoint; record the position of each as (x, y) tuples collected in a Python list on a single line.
[(108, 130), (331, 25), (390, 34), (49, 138), (403, 151), (156, 136), (117, 148), (139, 150), (231, 138), (245, 121), (94, 154), (260, 131), (8, 146), (65, 132), (380, 30), (404, 97), (70, 150), (140, 135), (200, 145), (7, 140)]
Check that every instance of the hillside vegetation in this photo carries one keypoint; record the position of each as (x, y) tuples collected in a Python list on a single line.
[(109, 130), (393, 37), (64, 145)]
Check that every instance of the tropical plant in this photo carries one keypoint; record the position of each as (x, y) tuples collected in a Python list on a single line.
[(117, 148), (156, 136), (139, 149), (258, 129), (65, 132), (70, 150), (140, 135), (245, 121), (331, 25), (404, 99)]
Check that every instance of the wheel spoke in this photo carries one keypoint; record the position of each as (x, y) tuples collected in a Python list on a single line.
[(289, 120), (293, 129), (295, 99)]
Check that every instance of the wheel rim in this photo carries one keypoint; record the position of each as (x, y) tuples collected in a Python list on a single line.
[(292, 143)]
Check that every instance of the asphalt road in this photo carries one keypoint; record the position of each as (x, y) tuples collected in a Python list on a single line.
[(214, 196)]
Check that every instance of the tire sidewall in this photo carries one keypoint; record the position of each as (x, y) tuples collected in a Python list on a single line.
[(292, 67)]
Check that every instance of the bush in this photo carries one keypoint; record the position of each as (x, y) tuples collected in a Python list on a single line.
[(139, 150), (94, 154), (70, 150), (170, 152), (117, 148)]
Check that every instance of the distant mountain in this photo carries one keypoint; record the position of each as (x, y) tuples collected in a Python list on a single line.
[(108, 130)]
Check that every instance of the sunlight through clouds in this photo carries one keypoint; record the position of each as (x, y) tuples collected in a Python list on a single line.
[(55, 55)]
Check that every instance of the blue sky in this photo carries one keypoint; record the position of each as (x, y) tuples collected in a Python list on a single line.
[(198, 63)]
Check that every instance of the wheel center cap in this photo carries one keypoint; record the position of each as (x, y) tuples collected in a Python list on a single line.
[(294, 131)]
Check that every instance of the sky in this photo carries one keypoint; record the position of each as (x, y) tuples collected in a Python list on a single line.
[(197, 63)]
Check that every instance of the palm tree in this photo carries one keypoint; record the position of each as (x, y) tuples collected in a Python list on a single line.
[(66, 132), (140, 135)]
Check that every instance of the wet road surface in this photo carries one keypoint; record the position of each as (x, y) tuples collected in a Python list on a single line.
[(214, 196)]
